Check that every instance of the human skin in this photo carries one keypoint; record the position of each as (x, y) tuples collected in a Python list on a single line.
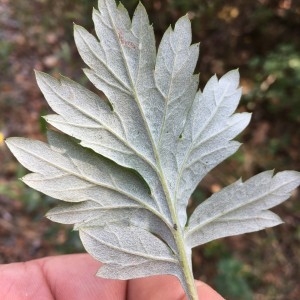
[(73, 277)]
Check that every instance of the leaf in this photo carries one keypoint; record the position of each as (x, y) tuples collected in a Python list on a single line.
[(126, 167), (130, 257), (207, 137), (241, 207)]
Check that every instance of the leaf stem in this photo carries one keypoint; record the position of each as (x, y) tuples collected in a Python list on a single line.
[(184, 259), (184, 254)]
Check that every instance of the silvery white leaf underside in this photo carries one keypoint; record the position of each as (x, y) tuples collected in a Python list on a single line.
[(125, 168)]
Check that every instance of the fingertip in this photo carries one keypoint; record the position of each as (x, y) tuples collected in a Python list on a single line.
[(206, 292)]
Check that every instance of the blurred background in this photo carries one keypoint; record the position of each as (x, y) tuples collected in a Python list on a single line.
[(260, 37)]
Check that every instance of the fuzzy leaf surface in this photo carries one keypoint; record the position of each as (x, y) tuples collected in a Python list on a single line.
[(241, 207), (125, 166)]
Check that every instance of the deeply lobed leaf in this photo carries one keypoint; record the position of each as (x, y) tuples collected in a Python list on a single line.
[(126, 168), (241, 207)]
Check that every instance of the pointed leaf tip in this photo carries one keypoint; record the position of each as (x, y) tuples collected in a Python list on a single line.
[(125, 171)]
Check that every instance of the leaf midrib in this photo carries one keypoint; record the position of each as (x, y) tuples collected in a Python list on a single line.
[(114, 189), (134, 253), (103, 125), (155, 151), (192, 145), (230, 210)]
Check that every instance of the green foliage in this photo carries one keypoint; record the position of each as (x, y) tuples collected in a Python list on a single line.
[(278, 81), (206, 24), (232, 280), (32, 200), (5, 50), (215, 249), (66, 240)]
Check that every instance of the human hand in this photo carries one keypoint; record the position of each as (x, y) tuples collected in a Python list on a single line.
[(72, 277)]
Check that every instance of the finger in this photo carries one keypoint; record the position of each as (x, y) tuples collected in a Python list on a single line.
[(59, 277), (166, 287), (205, 292), (23, 281)]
